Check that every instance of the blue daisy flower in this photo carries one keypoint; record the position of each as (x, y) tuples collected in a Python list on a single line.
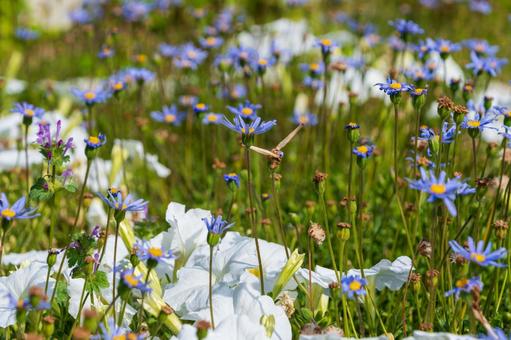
[(479, 254)]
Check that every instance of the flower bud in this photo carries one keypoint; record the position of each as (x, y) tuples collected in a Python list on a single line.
[(203, 327), (213, 239), (344, 232), (52, 257), (319, 181), (432, 278), (48, 326), (292, 265), (90, 320), (501, 228)]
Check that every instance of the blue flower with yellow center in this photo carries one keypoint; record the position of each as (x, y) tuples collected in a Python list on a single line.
[(326, 45), (479, 254), (363, 151), (169, 115), (232, 178), (28, 111), (441, 188), (200, 108), (212, 118), (95, 142), (256, 127), (393, 87), (91, 97), (132, 281), (211, 42), (353, 286), (465, 286), (246, 110), (406, 27), (147, 252), (305, 119), (17, 210), (120, 203)]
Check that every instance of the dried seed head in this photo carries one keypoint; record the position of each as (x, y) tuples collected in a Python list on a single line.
[(426, 327), (217, 164), (81, 333), (333, 330), (287, 303), (203, 325), (319, 177), (310, 329), (501, 228), (266, 221), (432, 277), (424, 248), (317, 233)]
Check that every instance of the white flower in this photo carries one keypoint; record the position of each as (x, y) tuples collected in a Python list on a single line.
[(384, 274), (237, 327), (17, 285), (420, 335)]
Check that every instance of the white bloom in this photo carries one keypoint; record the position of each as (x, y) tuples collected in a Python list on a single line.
[(17, 285), (420, 335)]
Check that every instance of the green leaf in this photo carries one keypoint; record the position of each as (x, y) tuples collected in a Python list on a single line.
[(97, 282), (71, 187)]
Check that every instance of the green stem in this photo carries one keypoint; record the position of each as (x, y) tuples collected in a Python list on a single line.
[(80, 200), (211, 287), (252, 219), (328, 236)]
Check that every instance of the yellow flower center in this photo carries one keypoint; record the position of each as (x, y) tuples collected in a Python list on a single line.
[(119, 337), (246, 111), (89, 95), (444, 48), (255, 271), (131, 280), (303, 119), (263, 62), (468, 88), (170, 118), (93, 140), (251, 130), (362, 149), (473, 123), (8, 213), (508, 113), (29, 112), (212, 118), (141, 58), (461, 283), (326, 42), (191, 54), (119, 207), (395, 86), (437, 188), (200, 106), (117, 86), (210, 41), (114, 190), (314, 67), (478, 257), (154, 251), (419, 91), (106, 50), (479, 48), (355, 285)]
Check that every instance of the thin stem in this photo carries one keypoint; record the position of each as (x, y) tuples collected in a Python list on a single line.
[(77, 319), (211, 287), (80, 201), (275, 193), (115, 261), (328, 236), (27, 168), (252, 218)]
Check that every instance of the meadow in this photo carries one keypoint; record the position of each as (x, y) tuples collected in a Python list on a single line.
[(267, 169)]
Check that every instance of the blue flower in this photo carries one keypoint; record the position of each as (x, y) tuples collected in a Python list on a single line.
[(392, 87), (147, 252), (424, 48), (261, 64), (113, 332), (28, 110), (478, 122), (465, 286), (118, 203), (243, 55), (417, 91), (441, 188), (480, 6), (306, 119), (478, 254), (216, 225), (17, 211), (420, 74), (133, 10), (26, 34), (140, 75), (406, 27), (95, 142), (232, 178), (132, 281), (396, 43), (106, 52), (363, 151), (189, 56), (211, 42), (499, 334), (326, 45), (256, 127), (168, 50), (314, 69), (493, 65), (481, 47), (169, 115), (212, 118), (246, 110), (91, 97), (445, 47), (353, 285), (200, 108), (116, 84)]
